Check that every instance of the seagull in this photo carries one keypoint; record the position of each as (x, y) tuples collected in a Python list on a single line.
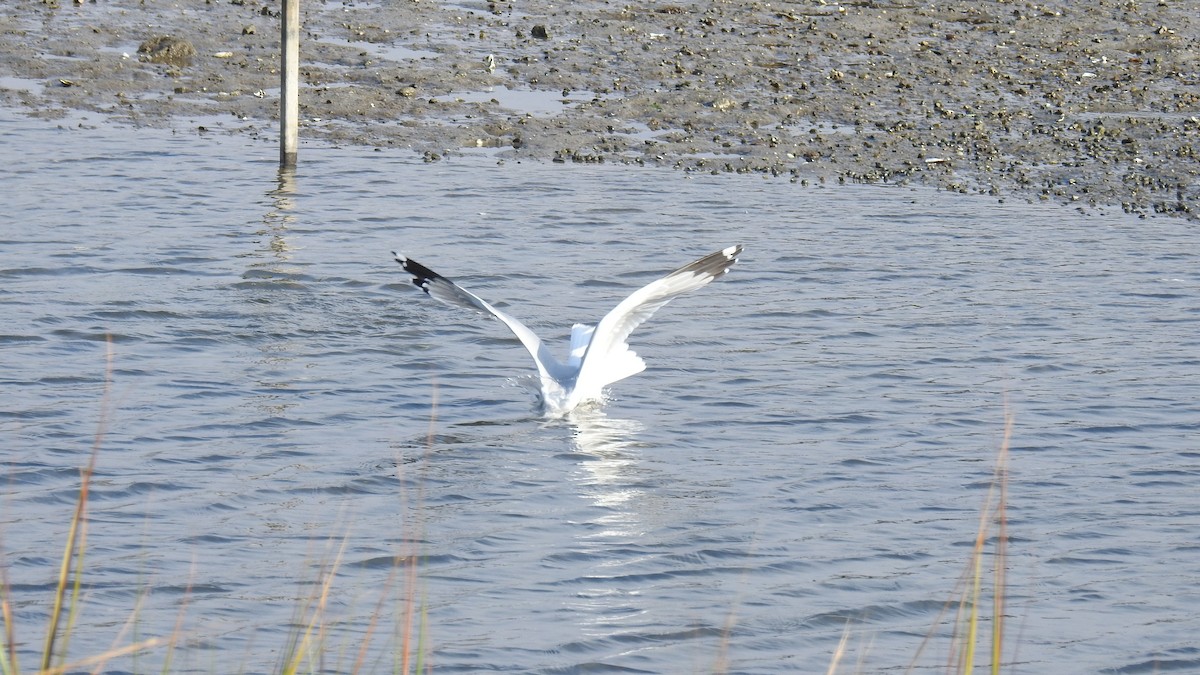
[(598, 355)]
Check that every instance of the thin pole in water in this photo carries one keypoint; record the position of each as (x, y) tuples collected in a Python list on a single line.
[(289, 83)]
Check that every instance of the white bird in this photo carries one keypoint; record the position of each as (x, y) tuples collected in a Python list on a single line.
[(599, 355)]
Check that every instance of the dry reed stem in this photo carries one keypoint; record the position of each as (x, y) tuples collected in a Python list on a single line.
[(177, 632), (998, 583), (70, 571), (993, 511), (361, 657), (412, 556), (316, 623), (961, 655), (9, 665), (840, 651), (722, 664), (77, 532), (100, 659), (125, 628)]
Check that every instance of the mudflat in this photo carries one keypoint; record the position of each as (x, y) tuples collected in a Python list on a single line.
[(1096, 103)]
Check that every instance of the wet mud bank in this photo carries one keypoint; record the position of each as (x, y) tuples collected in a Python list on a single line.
[(1097, 104)]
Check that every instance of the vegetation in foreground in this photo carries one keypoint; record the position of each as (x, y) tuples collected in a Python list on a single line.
[(308, 645)]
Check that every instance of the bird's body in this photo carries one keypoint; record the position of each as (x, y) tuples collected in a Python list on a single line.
[(599, 355)]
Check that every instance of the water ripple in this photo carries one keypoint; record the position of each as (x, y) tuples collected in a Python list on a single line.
[(809, 447)]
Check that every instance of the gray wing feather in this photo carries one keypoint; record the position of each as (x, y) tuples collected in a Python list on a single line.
[(444, 290), (613, 330)]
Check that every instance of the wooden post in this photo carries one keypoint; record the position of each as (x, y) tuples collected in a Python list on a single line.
[(289, 83)]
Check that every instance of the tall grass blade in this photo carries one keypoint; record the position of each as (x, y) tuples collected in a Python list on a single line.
[(305, 649), (386, 594), (76, 586), (993, 512), (9, 664), (962, 651), (100, 659), (75, 535), (968, 658), (840, 651), (177, 631), (998, 584), (421, 636), (415, 612), (64, 570)]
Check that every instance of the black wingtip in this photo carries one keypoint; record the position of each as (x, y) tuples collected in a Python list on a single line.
[(733, 252), (714, 264), (729, 256), (421, 275)]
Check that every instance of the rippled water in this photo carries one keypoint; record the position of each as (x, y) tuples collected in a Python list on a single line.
[(808, 450)]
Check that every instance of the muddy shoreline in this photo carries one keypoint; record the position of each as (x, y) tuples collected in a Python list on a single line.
[(1095, 105)]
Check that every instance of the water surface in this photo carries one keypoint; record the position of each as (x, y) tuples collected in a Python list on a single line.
[(808, 449)]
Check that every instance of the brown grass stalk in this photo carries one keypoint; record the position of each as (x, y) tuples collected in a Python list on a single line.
[(100, 659), (993, 511), (303, 649), (960, 657), (77, 534), (1001, 564), (8, 656), (412, 559)]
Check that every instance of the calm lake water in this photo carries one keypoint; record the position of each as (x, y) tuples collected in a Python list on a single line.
[(808, 451)]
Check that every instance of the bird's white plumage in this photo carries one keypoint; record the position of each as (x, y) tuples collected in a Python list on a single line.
[(598, 355)]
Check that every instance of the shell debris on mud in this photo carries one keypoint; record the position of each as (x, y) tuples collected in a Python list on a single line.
[(1095, 105), (167, 49)]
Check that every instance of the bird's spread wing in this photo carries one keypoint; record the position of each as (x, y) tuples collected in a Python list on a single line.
[(599, 355), (608, 357), (440, 288)]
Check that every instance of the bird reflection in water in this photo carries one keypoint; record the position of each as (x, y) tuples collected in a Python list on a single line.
[(609, 471)]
